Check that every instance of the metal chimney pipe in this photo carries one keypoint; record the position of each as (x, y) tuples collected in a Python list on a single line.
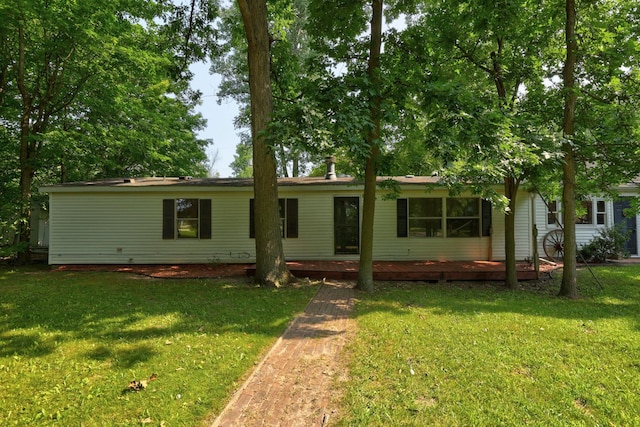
[(331, 167)]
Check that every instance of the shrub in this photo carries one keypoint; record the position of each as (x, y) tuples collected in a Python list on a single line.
[(608, 244)]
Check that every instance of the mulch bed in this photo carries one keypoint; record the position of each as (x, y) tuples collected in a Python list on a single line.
[(328, 269), (177, 271)]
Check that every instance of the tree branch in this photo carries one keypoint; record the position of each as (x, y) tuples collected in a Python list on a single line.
[(471, 58)]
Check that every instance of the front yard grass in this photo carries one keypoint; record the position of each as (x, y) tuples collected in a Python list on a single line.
[(453, 355), (70, 344)]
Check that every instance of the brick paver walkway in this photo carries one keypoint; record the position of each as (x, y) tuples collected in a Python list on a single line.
[(292, 384)]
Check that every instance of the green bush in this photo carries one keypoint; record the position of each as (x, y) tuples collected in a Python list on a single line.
[(608, 244)]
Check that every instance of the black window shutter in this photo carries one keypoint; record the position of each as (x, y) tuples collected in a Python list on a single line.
[(402, 217), (205, 218), (486, 218), (168, 219), (252, 224), (292, 218)]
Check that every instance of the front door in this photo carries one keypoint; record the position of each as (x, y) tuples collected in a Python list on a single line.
[(627, 223), (346, 224)]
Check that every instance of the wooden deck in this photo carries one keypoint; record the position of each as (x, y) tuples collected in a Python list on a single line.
[(430, 271), (411, 270)]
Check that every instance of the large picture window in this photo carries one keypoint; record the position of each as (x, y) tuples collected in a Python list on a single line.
[(186, 218), (288, 209), (440, 217)]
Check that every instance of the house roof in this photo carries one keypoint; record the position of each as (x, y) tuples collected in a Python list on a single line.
[(160, 182)]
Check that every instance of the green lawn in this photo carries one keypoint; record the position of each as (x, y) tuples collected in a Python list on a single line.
[(425, 354), (444, 355), (70, 343)]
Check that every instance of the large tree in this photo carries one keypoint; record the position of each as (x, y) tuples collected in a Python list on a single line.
[(472, 96), (365, 272), (599, 84), (271, 267), (568, 286), (90, 89), (293, 125)]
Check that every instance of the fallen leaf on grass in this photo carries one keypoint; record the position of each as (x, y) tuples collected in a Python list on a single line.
[(137, 385)]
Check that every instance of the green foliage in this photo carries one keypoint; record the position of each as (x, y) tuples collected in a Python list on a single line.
[(293, 130), (72, 342), (242, 160), (473, 354), (608, 244), (83, 101)]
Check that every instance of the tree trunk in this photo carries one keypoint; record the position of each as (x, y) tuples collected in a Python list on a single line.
[(568, 287), (511, 183), (511, 274), (27, 171), (365, 273), (271, 268)]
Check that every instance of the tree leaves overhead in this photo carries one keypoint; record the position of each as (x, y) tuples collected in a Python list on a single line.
[(90, 89)]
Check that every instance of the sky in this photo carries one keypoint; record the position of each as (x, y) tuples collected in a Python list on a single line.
[(219, 119)]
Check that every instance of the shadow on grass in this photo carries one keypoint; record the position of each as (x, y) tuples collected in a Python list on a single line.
[(620, 297), (123, 358), (40, 310)]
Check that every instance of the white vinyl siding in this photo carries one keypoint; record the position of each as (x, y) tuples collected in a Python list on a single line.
[(584, 232), (124, 226)]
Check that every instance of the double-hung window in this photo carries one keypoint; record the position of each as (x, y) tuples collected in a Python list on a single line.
[(552, 213), (463, 217), (601, 213), (425, 217), (288, 211), (186, 218), (587, 216)]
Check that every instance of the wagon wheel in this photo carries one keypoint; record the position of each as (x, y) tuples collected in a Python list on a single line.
[(553, 244)]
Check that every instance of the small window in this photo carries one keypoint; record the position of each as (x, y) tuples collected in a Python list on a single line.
[(463, 217), (600, 212), (587, 217), (552, 214), (288, 209), (186, 218)]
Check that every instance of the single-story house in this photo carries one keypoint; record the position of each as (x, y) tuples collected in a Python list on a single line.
[(201, 220)]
